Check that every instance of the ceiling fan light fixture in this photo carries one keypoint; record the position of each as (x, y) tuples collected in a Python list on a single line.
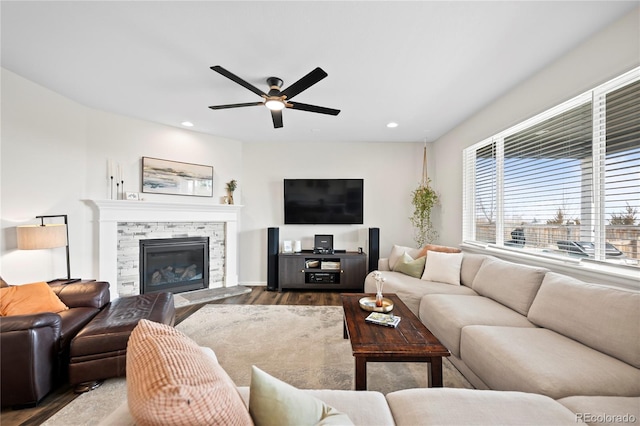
[(274, 104)]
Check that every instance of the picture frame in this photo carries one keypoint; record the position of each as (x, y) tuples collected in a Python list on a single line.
[(176, 178), (287, 247), (131, 196)]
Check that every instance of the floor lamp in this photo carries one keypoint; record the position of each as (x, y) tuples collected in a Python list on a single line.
[(46, 236)]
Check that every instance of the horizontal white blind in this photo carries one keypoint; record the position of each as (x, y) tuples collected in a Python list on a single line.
[(485, 193), (622, 169), (547, 177)]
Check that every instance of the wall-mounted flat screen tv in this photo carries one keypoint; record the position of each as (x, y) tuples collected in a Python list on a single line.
[(323, 201)]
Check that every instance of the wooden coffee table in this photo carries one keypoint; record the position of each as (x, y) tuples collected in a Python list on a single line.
[(411, 341)]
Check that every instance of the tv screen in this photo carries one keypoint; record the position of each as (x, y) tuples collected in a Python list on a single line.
[(323, 201)]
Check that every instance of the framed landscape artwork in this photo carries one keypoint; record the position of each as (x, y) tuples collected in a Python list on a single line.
[(176, 178)]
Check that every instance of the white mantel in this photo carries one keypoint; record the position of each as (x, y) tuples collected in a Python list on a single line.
[(111, 212)]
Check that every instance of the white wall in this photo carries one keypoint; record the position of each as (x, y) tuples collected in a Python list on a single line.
[(390, 172), (54, 156), (606, 55), (43, 170)]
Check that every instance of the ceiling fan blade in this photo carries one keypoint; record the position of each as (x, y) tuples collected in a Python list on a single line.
[(241, 82), (304, 83), (236, 105), (277, 119), (313, 108)]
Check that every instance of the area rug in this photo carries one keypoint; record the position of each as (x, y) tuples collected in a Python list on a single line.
[(207, 295), (301, 345)]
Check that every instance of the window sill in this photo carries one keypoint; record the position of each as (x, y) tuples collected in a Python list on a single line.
[(593, 272)]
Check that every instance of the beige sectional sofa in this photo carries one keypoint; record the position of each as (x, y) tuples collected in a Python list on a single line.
[(543, 348), (170, 380), (512, 327)]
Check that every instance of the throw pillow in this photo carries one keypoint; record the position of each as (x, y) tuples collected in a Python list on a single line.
[(28, 299), (441, 249), (274, 402), (443, 267), (171, 380), (398, 251), (409, 266)]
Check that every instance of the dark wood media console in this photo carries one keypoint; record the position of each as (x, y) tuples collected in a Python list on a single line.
[(339, 271)]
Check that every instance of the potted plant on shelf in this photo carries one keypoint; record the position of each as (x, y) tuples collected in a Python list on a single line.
[(424, 199), (231, 186)]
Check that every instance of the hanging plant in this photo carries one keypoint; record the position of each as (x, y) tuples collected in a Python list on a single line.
[(424, 199)]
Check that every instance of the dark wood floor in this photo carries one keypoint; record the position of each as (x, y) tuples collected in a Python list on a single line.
[(258, 296)]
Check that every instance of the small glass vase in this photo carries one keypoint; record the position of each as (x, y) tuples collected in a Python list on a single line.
[(379, 299)]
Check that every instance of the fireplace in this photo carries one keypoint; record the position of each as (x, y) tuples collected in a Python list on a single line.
[(123, 223), (174, 264)]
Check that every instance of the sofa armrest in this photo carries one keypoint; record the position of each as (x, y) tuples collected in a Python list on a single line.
[(28, 322), (93, 294), (28, 353), (383, 264)]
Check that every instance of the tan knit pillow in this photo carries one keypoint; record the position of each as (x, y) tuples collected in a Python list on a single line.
[(170, 380), (441, 249)]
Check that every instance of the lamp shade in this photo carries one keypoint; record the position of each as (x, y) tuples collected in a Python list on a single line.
[(35, 237)]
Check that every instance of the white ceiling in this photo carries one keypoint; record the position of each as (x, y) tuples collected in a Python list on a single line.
[(427, 65)]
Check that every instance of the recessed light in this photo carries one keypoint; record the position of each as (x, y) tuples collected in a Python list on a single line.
[(187, 124), (392, 125)]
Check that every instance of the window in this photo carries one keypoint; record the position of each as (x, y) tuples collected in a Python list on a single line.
[(564, 183)]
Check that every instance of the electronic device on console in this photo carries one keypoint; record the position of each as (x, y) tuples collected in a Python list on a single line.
[(322, 278), (323, 244)]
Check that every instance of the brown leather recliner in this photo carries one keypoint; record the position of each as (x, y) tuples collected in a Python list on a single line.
[(34, 349)]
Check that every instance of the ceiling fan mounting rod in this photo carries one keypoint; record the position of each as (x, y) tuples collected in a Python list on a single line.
[(274, 83)]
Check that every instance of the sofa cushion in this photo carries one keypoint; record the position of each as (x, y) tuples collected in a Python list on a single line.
[(274, 402), (448, 406), (443, 267), (542, 361), (409, 266), (397, 252), (28, 299), (511, 284), (94, 294), (410, 289), (446, 314), (471, 263), (604, 410), (604, 318), (170, 380)]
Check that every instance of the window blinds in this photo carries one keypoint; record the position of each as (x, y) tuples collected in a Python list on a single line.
[(569, 175)]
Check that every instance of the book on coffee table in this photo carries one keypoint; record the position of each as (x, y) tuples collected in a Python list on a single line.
[(388, 320)]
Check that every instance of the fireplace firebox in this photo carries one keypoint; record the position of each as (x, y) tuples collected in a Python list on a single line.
[(174, 264)]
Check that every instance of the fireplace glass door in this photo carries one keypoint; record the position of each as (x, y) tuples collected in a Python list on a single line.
[(174, 264)]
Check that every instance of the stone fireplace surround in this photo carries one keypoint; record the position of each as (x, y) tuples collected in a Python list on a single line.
[(112, 215)]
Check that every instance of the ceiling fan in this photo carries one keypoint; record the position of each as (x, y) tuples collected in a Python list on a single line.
[(276, 100)]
